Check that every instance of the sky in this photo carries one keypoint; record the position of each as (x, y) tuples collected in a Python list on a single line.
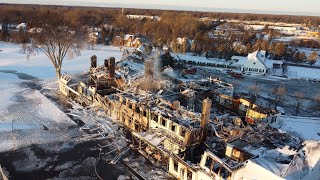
[(293, 7)]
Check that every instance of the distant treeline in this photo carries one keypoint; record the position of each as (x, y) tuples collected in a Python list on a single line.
[(94, 16), (173, 24)]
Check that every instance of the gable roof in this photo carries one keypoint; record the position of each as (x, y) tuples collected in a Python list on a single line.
[(255, 56), (127, 36), (258, 56)]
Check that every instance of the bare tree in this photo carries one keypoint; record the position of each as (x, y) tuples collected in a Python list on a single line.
[(316, 106), (313, 58), (299, 97), (57, 38), (254, 91), (279, 93)]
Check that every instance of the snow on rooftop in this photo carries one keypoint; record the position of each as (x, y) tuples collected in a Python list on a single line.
[(21, 26), (127, 36)]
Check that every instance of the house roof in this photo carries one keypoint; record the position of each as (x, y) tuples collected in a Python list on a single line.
[(126, 37), (135, 40), (141, 48), (269, 63), (255, 56), (240, 60)]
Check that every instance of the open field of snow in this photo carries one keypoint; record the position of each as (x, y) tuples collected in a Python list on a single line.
[(303, 72), (40, 66), (306, 128)]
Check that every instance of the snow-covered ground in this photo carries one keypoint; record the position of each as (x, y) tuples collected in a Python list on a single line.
[(200, 59), (293, 71), (303, 72), (27, 116), (40, 66), (304, 127), (30, 122)]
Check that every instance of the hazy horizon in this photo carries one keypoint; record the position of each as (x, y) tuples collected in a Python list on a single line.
[(306, 7)]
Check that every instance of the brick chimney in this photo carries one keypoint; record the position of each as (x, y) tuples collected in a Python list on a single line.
[(94, 61), (111, 67), (106, 64), (205, 117)]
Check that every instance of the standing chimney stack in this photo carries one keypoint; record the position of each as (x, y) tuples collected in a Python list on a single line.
[(94, 61), (205, 117), (111, 67), (106, 64)]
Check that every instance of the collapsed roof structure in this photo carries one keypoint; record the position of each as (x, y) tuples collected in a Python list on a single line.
[(188, 144)]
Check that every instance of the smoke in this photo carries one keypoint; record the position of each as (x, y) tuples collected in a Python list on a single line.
[(155, 56)]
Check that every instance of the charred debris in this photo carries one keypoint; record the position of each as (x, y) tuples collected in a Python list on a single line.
[(193, 128)]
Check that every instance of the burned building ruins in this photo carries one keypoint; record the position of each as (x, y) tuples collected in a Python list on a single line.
[(190, 143)]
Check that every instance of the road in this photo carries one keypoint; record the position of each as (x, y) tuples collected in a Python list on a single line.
[(308, 88)]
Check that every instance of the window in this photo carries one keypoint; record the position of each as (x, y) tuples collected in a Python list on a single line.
[(216, 167), (183, 132), (173, 127), (155, 118), (163, 122), (189, 175), (235, 153), (208, 162), (224, 173), (145, 113), (182, 173), (175, 166)]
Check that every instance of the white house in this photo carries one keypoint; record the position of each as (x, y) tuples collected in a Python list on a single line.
[(256, 63)]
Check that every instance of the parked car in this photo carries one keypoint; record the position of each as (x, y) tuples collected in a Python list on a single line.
[(236, 75), (191, 70)]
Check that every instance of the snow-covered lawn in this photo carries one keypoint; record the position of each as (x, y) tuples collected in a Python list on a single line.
[(200, 59), (26, 116), (304, 127), (41, 67), (303, 72)]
